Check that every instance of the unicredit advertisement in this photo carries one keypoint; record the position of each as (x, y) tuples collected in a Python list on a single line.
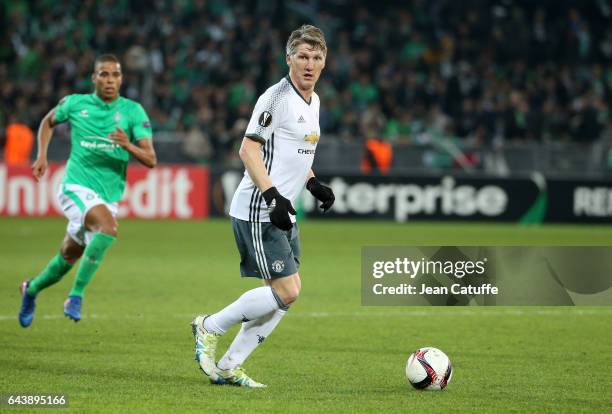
[(167, 191)]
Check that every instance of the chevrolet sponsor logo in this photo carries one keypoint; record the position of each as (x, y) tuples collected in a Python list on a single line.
[(313, 138)]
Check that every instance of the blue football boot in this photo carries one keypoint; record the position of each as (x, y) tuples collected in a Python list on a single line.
[(72, 308), (28, 305)]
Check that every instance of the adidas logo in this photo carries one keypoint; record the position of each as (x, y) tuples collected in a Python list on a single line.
[(301, 120), (84, 113)]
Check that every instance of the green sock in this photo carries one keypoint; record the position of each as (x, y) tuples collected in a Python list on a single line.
[(53, 273), (92, 257)]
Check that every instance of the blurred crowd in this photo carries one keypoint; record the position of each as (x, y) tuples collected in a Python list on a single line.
[(480, 72)]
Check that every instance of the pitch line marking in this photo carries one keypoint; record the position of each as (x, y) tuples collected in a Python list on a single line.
[(359, 314)]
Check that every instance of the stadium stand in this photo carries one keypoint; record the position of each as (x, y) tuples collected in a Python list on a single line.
[(514, 85)]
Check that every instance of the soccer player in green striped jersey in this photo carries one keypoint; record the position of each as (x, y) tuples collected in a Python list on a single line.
[(106, 129)]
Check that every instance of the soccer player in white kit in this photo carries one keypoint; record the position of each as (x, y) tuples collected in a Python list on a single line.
[(278, 150)]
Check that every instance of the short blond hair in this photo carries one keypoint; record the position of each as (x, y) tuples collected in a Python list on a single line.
[(306, 34)]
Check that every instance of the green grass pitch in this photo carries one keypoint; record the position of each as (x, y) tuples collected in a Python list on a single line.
[(133, 351)]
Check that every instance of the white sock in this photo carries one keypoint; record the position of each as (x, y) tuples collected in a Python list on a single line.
[(252, 305), (250, 336)]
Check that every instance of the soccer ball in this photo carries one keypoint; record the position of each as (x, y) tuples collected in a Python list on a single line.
[(429, 369)]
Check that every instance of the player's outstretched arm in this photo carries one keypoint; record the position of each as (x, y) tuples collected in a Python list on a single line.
[(45, 132), (143, 151)]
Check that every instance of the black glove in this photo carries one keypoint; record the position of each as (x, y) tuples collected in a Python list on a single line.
[(278, 209), (321, 192)]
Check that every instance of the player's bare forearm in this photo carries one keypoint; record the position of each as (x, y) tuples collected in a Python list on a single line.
[(310, 175), (45, 133), (250, 154), (143, 151)]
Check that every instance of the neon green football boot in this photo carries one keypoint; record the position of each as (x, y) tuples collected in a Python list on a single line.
[(237, 377), (205, 347)]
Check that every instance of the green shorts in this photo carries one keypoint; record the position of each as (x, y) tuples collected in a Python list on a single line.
[(266, 252)]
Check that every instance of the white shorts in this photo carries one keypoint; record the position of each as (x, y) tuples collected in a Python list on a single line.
[(76, 201)]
